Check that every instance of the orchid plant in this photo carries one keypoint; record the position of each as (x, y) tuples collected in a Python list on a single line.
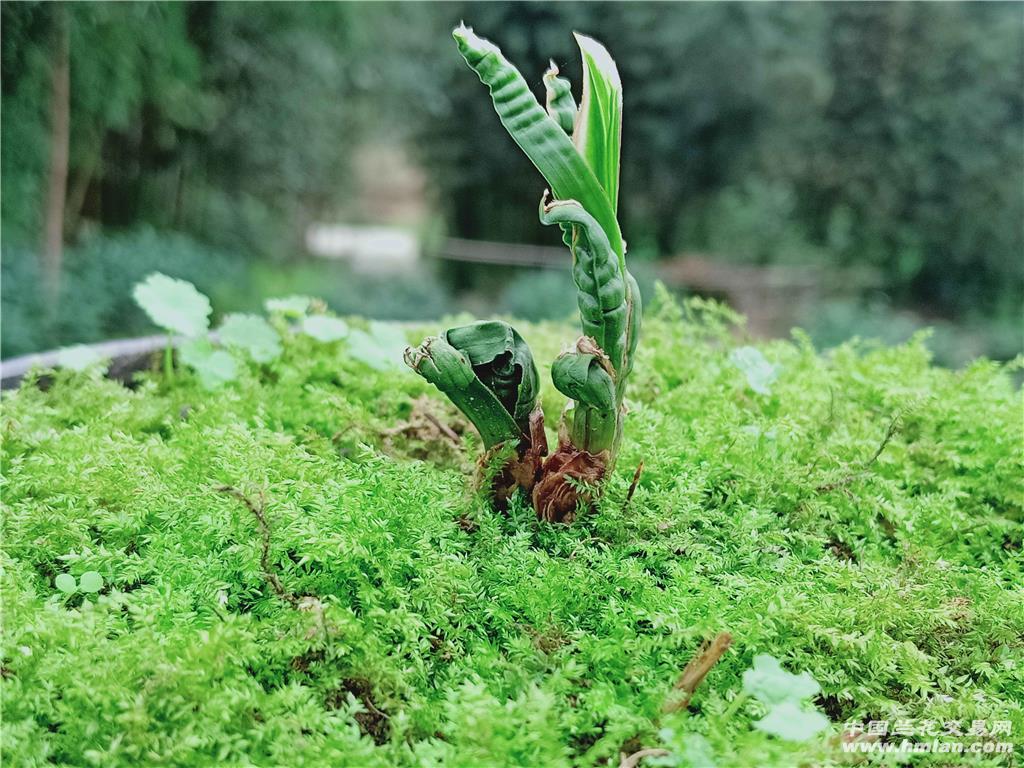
[(486, 369)]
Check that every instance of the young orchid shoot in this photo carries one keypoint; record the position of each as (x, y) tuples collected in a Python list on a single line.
[(486, 369)]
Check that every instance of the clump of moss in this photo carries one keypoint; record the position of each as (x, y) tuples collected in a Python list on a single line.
[(855, 514)]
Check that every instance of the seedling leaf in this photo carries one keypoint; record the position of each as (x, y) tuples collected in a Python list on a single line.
[(770, 684), (90, 581), (253, 334), (324, 328), (792, 722), (65, 582), (174, 305), (381, 348), (215, 367), (759, 372)]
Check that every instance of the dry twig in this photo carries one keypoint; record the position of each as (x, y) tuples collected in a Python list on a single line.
[(698, 668), (634, 760)]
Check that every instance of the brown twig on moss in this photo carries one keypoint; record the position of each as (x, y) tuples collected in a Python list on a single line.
[(890, 433), (698, 668), (258, 510), (633, 485)]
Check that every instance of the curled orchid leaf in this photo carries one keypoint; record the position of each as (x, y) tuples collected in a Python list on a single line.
[(503, 362), (451, 371), (585, 376), (597, 271), (560, 103)]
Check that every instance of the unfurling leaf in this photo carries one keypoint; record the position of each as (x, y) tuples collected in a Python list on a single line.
[(503, 362), (560, 103), (451, 371), (597, 271), (598, 133), (174, 305), (586, 376), (586, 379), (539, 136), (252, 334)]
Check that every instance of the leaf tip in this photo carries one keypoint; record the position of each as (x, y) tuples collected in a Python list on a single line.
[(599, 54)]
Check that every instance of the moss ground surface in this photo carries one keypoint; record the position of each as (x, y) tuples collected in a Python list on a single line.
[(411, 624)]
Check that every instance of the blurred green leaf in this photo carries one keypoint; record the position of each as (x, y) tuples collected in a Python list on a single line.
[(90, 581), (65, 582), (770, 684), (324, 328), (215, 367), (174, 305), (253, 334), (792, 722)]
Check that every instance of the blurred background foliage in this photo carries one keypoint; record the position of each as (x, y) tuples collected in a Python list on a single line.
[(881, 139)]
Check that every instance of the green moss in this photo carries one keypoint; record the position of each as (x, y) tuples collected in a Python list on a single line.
[(440, 632)]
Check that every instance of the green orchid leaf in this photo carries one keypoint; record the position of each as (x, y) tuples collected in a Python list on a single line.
[(598, 133), (584, 378), (559, 103), (770, 684), (537, 134), (324, 328), (451, 371), (598, 274), (503, 362), (90, 581), (792, 722), (252, 334), (215, 367), (174, 305), (65, 582)]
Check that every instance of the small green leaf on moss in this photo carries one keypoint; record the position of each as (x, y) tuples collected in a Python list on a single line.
[(174, 305), (90, 581), (65, 582), (215, 367), (290, 306), (759, 372), (381, 349), (792, 722), (252, 334), (770, 684), (324, 328)]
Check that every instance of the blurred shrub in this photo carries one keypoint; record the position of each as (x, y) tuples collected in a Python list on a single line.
[(543, 294), (416, 296), (834, 322), (96, 300)]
